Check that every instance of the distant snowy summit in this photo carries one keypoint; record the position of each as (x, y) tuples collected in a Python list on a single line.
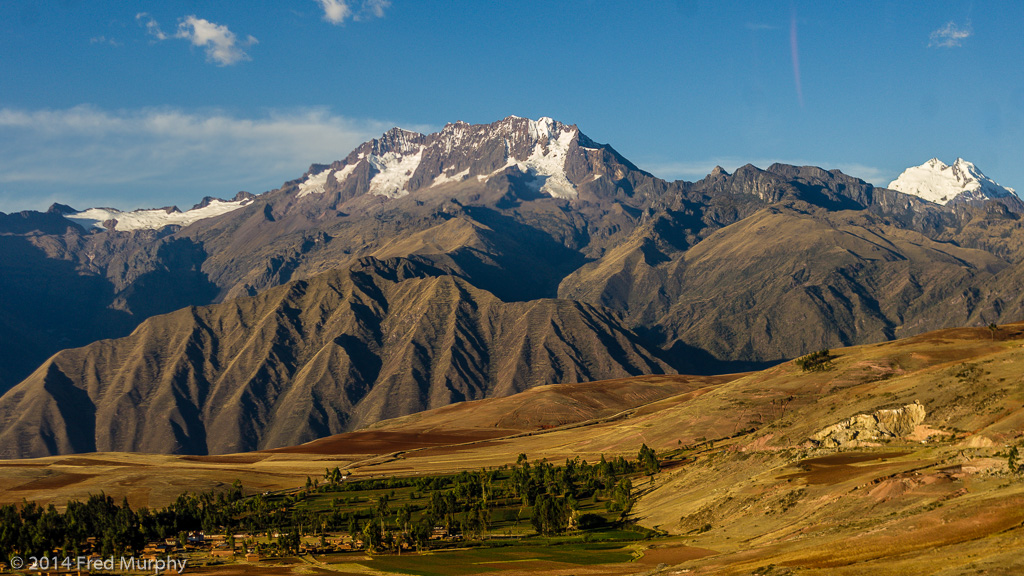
[(154, 218), (962, 182)]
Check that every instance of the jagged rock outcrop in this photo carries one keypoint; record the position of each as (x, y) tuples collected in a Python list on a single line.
[(881, 425)]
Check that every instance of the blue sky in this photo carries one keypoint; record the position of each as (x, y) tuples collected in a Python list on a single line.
[(144, 103)]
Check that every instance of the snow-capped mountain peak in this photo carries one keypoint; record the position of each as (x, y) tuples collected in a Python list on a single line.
[(401, 162), (937, 182)]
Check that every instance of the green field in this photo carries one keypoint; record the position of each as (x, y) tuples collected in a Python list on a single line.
[(540, 555)]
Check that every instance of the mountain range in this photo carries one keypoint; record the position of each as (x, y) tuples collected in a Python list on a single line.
[(478, 261)]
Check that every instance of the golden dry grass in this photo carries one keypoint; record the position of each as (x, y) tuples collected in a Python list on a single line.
[(750, 491)]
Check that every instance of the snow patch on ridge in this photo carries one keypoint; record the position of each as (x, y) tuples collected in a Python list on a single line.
[(444, 178), (546, 162), (317, 183), (344, 173), (314, 184), (550, 163), (394, 172), (156, 218)]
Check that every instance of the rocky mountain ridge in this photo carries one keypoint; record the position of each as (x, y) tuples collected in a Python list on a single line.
[(543, 152), (732, 272), (310, 359)]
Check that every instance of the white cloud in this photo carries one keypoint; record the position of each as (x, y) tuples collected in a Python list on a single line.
[(337, 11), (86, 156), (221, 45), (950, 36)]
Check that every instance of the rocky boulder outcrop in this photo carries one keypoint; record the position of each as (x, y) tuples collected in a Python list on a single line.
[(880, 425)]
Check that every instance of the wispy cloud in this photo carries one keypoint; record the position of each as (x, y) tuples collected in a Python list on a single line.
[(222, 46), (337, 11), (871, 174), (86, 156), (374, 8), (950, 36), (104, 40), (152, 27), (760, 26), (696, 170), (686, 170)]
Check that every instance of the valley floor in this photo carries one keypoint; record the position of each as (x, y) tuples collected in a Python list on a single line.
[(743, 488)]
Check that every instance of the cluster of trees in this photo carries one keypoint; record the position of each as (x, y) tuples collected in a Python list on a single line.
[(461, 504), (550, 496), (117, 529), (819, 361)]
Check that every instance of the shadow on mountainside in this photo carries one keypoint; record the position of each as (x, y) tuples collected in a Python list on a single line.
[(50, 304), (687, 359), (530, 265)]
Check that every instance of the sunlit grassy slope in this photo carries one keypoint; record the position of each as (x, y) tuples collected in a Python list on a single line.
[(740, 477)]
